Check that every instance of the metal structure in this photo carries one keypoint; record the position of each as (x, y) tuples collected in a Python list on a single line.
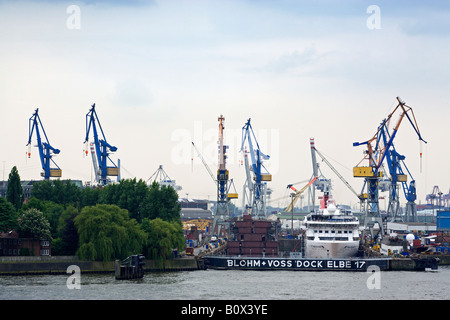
[(297, 193), (257, 206), (376, 154), (324, 184), (45, 149), (102, 149), (164, 179), (222, 181)]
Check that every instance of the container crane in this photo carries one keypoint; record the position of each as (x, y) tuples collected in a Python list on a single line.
[(102, 148), (376, 155), (164, 179), (258, 205), (45, 149)]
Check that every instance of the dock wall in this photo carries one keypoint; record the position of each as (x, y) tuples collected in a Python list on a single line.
[(59, 265)]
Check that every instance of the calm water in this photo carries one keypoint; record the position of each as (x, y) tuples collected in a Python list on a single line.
[(234, 285)]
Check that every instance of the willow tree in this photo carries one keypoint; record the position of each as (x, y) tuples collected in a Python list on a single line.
[(163, 238), (107, 233)]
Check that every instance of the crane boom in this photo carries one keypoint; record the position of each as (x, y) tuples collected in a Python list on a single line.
[(45, 149), (298, 193), (205, 164), (337, 173)]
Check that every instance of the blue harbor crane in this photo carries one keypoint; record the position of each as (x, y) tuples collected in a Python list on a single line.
[(257, 207), (102, 148), (383, 149), (45, 149), (396, 165)]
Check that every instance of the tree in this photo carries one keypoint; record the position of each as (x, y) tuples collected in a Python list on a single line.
[(161, 202), (127, 194), (163, 237), (33, 224), (8, 216), (14, 191), (107, 233), (67, 232), (51, 210), (61, 192)]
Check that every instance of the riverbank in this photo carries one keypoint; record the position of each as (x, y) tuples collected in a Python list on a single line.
[(60, 264)]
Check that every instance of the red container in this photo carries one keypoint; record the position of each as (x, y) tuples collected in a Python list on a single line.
[(243, 224), (252, 251), (252, 244), (417, 243), (260, 230), (233, 244), (234, 251), (247, 217), (252, 237), (271, 244), (261, 224), (245, 230)]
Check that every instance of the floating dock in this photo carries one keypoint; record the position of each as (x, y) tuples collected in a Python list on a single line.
[(308, 264)]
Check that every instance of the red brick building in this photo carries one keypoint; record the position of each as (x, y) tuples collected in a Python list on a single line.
[(12, 245)]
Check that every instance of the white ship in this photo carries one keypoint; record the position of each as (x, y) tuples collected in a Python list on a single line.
[(330, 233)]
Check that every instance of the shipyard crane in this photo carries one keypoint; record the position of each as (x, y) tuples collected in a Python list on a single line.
[(102, 148), (395, 164), (376, 155), (45, 149), (164, 179), (258, 205), (222, 181), (322, 186), (297, 194)]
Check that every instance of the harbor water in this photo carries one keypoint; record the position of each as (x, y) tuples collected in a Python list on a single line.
[(234, 285)]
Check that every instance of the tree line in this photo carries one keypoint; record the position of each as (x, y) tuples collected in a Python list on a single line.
[(101, 224)]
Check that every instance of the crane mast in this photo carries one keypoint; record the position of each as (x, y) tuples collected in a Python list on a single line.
[(258, 205), (102, 148), (45, 149)]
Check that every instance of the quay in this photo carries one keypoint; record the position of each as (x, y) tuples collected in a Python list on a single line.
[(60, 264)]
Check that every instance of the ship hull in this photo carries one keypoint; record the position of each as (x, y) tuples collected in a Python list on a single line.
[(331, 249)]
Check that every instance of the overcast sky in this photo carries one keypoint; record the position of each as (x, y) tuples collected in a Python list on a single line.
[(162, 72)]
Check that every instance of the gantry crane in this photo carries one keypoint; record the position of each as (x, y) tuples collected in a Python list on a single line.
[(45, 149), (257, 207), (164, 179), (102, 148), (376, 155)]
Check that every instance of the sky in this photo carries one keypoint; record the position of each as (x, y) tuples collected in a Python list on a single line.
[(162, 72)]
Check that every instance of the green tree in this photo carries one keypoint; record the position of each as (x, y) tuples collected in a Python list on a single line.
[(107, 233), (67, 233), (163, 237), (14, 191), (8, 216), (89, 196), (33, 224), (51, 210), (63, 192), (161, 202), (128, 194)]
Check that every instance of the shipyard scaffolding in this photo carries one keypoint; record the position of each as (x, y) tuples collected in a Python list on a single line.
[(373, 174)]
